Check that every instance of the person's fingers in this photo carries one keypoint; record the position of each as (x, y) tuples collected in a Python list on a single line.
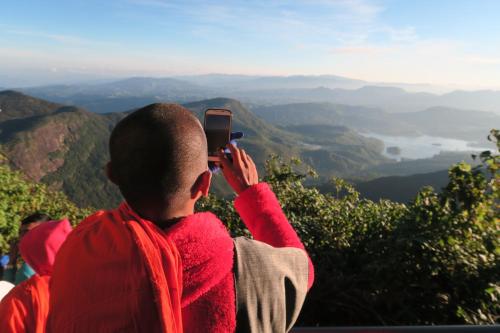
[(250, 161), (235, 152), (244, 158), (253, 170), (224, 161)]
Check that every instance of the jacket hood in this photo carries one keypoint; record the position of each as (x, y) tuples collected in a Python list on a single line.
[(40, 245)]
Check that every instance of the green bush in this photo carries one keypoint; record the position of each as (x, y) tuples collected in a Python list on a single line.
[(433, 261), (20, 198)]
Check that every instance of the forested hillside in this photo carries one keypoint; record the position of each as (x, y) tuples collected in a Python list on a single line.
[(66, 147), (63, 147)]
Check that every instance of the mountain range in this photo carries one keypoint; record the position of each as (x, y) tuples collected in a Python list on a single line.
[(133, 92), (66, 146), (436, 121)]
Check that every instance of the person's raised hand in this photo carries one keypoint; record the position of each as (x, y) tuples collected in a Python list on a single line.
[(241, 173)]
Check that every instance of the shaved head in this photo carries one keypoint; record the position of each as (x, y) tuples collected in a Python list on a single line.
[(157, 154)]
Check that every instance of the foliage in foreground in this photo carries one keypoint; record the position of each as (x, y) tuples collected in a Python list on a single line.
[(20, 198), (433, 261)]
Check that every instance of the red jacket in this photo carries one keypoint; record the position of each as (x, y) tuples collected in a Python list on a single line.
[(102, 282)]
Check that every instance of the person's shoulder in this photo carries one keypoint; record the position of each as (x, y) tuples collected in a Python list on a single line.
[(91, 224), (271, 281), (272, 264), (96, 217), (88, 229)]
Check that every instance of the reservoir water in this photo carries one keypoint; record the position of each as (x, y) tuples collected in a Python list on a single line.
[(423, 146)]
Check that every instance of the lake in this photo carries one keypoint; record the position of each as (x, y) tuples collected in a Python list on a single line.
[(423, 146)]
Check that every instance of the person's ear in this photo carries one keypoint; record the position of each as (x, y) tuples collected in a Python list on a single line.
[(202, 185), (109, 173), (207, 180)]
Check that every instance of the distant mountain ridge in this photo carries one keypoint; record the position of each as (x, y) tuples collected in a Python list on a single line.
[(390, 99), (242, 82), (129, 93), (437, 121)]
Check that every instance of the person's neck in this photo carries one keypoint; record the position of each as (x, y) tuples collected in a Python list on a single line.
[(164, 217)]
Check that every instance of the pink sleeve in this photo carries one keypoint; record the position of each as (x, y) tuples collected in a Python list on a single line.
[(261, 212)]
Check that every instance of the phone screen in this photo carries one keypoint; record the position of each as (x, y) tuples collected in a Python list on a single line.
[(217, 129)]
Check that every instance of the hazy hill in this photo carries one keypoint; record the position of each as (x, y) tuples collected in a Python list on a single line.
[(395, 188), (357, 117), (242, 83), (135, 86), (390, 99), (66, 146), (261, 139), (449, 122), (252, 82), (338, 150), (129, 93), (332, 150), (437, 121), (15, 105), (122, 94), (438, 162), (401, 188)]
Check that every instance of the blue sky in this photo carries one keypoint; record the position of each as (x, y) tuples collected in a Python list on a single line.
[(438, 42)]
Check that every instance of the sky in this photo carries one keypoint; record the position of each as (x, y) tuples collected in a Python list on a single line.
[(440, 42)]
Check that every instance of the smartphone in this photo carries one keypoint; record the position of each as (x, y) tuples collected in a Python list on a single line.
[(218, 131)]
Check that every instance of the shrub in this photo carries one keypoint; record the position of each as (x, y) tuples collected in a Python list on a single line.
[(432, 261), (20, 198)]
